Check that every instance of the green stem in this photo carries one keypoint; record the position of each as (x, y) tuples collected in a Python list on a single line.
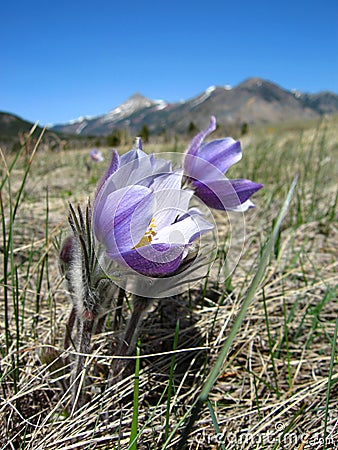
[(134, 424)]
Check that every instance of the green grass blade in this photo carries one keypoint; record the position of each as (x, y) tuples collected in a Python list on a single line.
[(268, 248), (286, 340), (329, 384), (134, 424), (18, 154), (171, 380), (271, 345), (5, 273), (215, 423), (25, 175)]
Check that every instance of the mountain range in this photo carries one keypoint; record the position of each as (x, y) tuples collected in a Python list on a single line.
[(253, 101)]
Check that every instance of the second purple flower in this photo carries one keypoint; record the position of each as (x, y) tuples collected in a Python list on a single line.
[(205, 165)]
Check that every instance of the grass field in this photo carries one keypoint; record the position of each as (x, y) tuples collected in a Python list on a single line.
[(247, 362)]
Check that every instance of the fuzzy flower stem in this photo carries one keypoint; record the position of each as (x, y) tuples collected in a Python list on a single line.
[(118, 313), (141, 305), (69, 328), (84, 337)]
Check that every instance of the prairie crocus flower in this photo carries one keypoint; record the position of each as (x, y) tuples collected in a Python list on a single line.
[(205, 165), (142, 216), (96, 155)]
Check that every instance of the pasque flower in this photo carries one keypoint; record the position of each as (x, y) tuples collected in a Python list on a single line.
[(96, 155), (142, 216), (205, 165)]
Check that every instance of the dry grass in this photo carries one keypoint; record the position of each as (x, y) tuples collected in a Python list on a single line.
[(278, 387)]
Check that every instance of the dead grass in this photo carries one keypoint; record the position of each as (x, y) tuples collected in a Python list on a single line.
[(273, 389)]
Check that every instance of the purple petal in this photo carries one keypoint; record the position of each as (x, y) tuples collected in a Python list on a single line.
[(154, 260), (138, 143), (133, 155), (213, 159), (199, 138), (114, 165), (124, 218), (197, 168), (221, 153), (226, 194), (135, 167)]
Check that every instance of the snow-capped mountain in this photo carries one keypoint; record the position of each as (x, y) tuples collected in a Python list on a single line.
[(255, 100), (131, 105)]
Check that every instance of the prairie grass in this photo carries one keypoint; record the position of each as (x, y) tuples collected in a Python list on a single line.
[(249, 361)]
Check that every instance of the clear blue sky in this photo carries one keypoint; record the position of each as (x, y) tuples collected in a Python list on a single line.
[(63, 59)]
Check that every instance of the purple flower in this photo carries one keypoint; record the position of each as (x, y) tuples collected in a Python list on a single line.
[(205, 165), (142, 217), (96, 155)]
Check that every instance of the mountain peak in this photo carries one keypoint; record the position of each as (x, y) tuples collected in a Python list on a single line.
[(134, 103), (253, 82), (138, 96)]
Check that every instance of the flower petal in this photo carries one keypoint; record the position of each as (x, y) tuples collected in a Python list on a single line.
[(133, 155), (197, 168), (129, 173), (134, 166), (123, 218), (226, 194), (221, 153), (114, 165), (212, 159), (153, 260), (185, 230), (244, 206), (170, 199), (199, 138)]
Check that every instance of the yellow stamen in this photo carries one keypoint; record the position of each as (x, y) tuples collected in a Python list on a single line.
[(148, 235)]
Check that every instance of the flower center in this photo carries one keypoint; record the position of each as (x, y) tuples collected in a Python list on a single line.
[(148, 235)]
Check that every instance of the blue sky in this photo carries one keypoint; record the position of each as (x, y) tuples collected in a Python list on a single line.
[(63, 59)]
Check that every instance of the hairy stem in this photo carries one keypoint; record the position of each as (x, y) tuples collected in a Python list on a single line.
[(84, 338), (69, 328), (141, 306)]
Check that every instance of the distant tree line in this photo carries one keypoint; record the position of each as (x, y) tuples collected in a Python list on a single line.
[(119, 137), (122, 137)]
